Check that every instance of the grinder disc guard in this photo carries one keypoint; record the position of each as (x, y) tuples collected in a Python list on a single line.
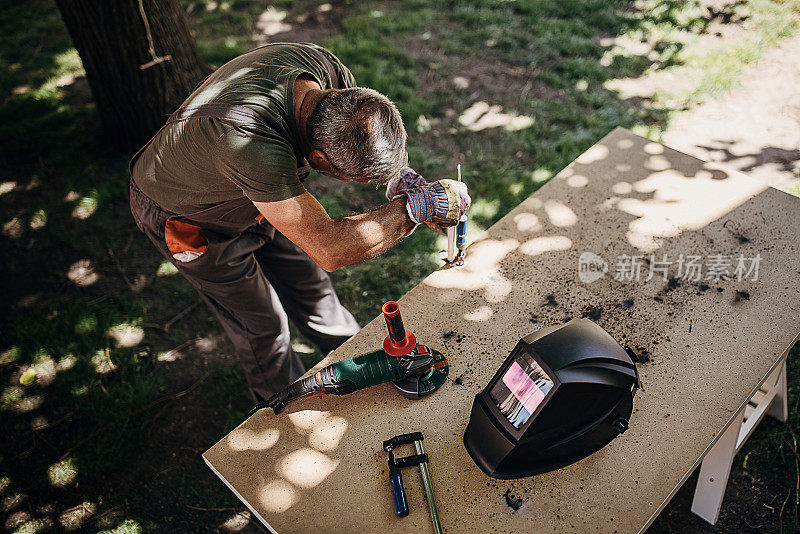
[(415, 387)]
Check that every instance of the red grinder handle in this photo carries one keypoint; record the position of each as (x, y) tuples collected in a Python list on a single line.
[(399, 342)]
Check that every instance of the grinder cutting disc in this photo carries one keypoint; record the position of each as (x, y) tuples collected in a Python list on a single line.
[(415, 387)]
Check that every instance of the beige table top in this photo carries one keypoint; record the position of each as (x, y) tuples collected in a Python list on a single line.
[(319, 464)]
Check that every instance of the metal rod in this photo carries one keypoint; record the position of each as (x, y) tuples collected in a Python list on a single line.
[(451, 244), (428, 485), (451, 233), (461, 233)]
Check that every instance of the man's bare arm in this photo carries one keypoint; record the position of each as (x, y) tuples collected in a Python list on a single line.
[(334, 243)]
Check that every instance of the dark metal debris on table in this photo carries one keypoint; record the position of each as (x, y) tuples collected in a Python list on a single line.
[(514, 502)]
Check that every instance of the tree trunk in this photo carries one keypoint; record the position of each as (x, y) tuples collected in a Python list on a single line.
[(140, 68)]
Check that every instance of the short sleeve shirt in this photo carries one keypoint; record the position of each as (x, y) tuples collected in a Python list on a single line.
[(197, 163)]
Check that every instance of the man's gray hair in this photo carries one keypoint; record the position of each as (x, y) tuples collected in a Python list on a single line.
[(361, 132)]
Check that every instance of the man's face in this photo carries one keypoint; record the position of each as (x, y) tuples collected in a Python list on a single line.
[(319, 162), (346, 178), (334, 173)]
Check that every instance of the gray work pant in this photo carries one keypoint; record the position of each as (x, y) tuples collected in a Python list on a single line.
[(254, 279)]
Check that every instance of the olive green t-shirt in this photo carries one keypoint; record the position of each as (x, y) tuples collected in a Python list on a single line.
[(196, 163)]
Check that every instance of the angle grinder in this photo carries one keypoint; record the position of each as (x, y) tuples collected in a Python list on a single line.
[(415, 369)]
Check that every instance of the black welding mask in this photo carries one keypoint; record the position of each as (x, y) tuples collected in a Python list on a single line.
[(563, 393)]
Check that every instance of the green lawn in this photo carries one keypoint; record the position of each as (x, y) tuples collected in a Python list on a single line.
[(109, 391)]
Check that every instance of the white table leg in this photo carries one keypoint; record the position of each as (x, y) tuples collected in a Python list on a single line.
[(779, 409), (714, 472)]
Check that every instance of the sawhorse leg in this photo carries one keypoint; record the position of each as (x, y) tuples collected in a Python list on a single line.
[(714, 472), (716, 467), (779, 408)]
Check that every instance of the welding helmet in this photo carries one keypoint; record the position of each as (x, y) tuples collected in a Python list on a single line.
[(562, 394)]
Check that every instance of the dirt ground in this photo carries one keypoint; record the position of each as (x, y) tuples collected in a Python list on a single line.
[(754, 129)]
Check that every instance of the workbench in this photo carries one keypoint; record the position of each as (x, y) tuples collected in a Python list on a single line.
[(707, 347)]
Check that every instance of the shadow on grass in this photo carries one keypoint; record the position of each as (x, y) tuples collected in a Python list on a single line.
[(785, 160), (105, 420), (94, 417)]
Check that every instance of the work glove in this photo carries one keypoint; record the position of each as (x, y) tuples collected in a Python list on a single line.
[(439, 204), (407, 179)]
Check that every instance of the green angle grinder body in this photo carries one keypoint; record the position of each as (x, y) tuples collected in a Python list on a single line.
[(415, 369)]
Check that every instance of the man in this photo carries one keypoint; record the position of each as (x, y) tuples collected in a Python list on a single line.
[(219, 191)]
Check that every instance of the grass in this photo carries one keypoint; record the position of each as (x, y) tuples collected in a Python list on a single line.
[(88, 389), (717, 69), (569, 117), (795, 189)]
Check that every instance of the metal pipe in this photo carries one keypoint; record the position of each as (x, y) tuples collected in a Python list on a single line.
[(451, 244), (451, 233)]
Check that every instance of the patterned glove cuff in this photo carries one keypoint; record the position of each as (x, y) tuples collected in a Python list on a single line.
[(391, 188), (400, 184), (426, 202)]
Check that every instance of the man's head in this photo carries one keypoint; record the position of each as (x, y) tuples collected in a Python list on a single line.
[(356, 135)]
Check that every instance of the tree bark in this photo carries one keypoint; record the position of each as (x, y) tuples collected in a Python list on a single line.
[(135, 89)]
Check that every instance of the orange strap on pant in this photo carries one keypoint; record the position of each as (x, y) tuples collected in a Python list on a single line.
[(185, 241)]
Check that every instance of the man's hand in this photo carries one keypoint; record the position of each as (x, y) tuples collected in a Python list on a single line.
[(336, 243), (439, 205)]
